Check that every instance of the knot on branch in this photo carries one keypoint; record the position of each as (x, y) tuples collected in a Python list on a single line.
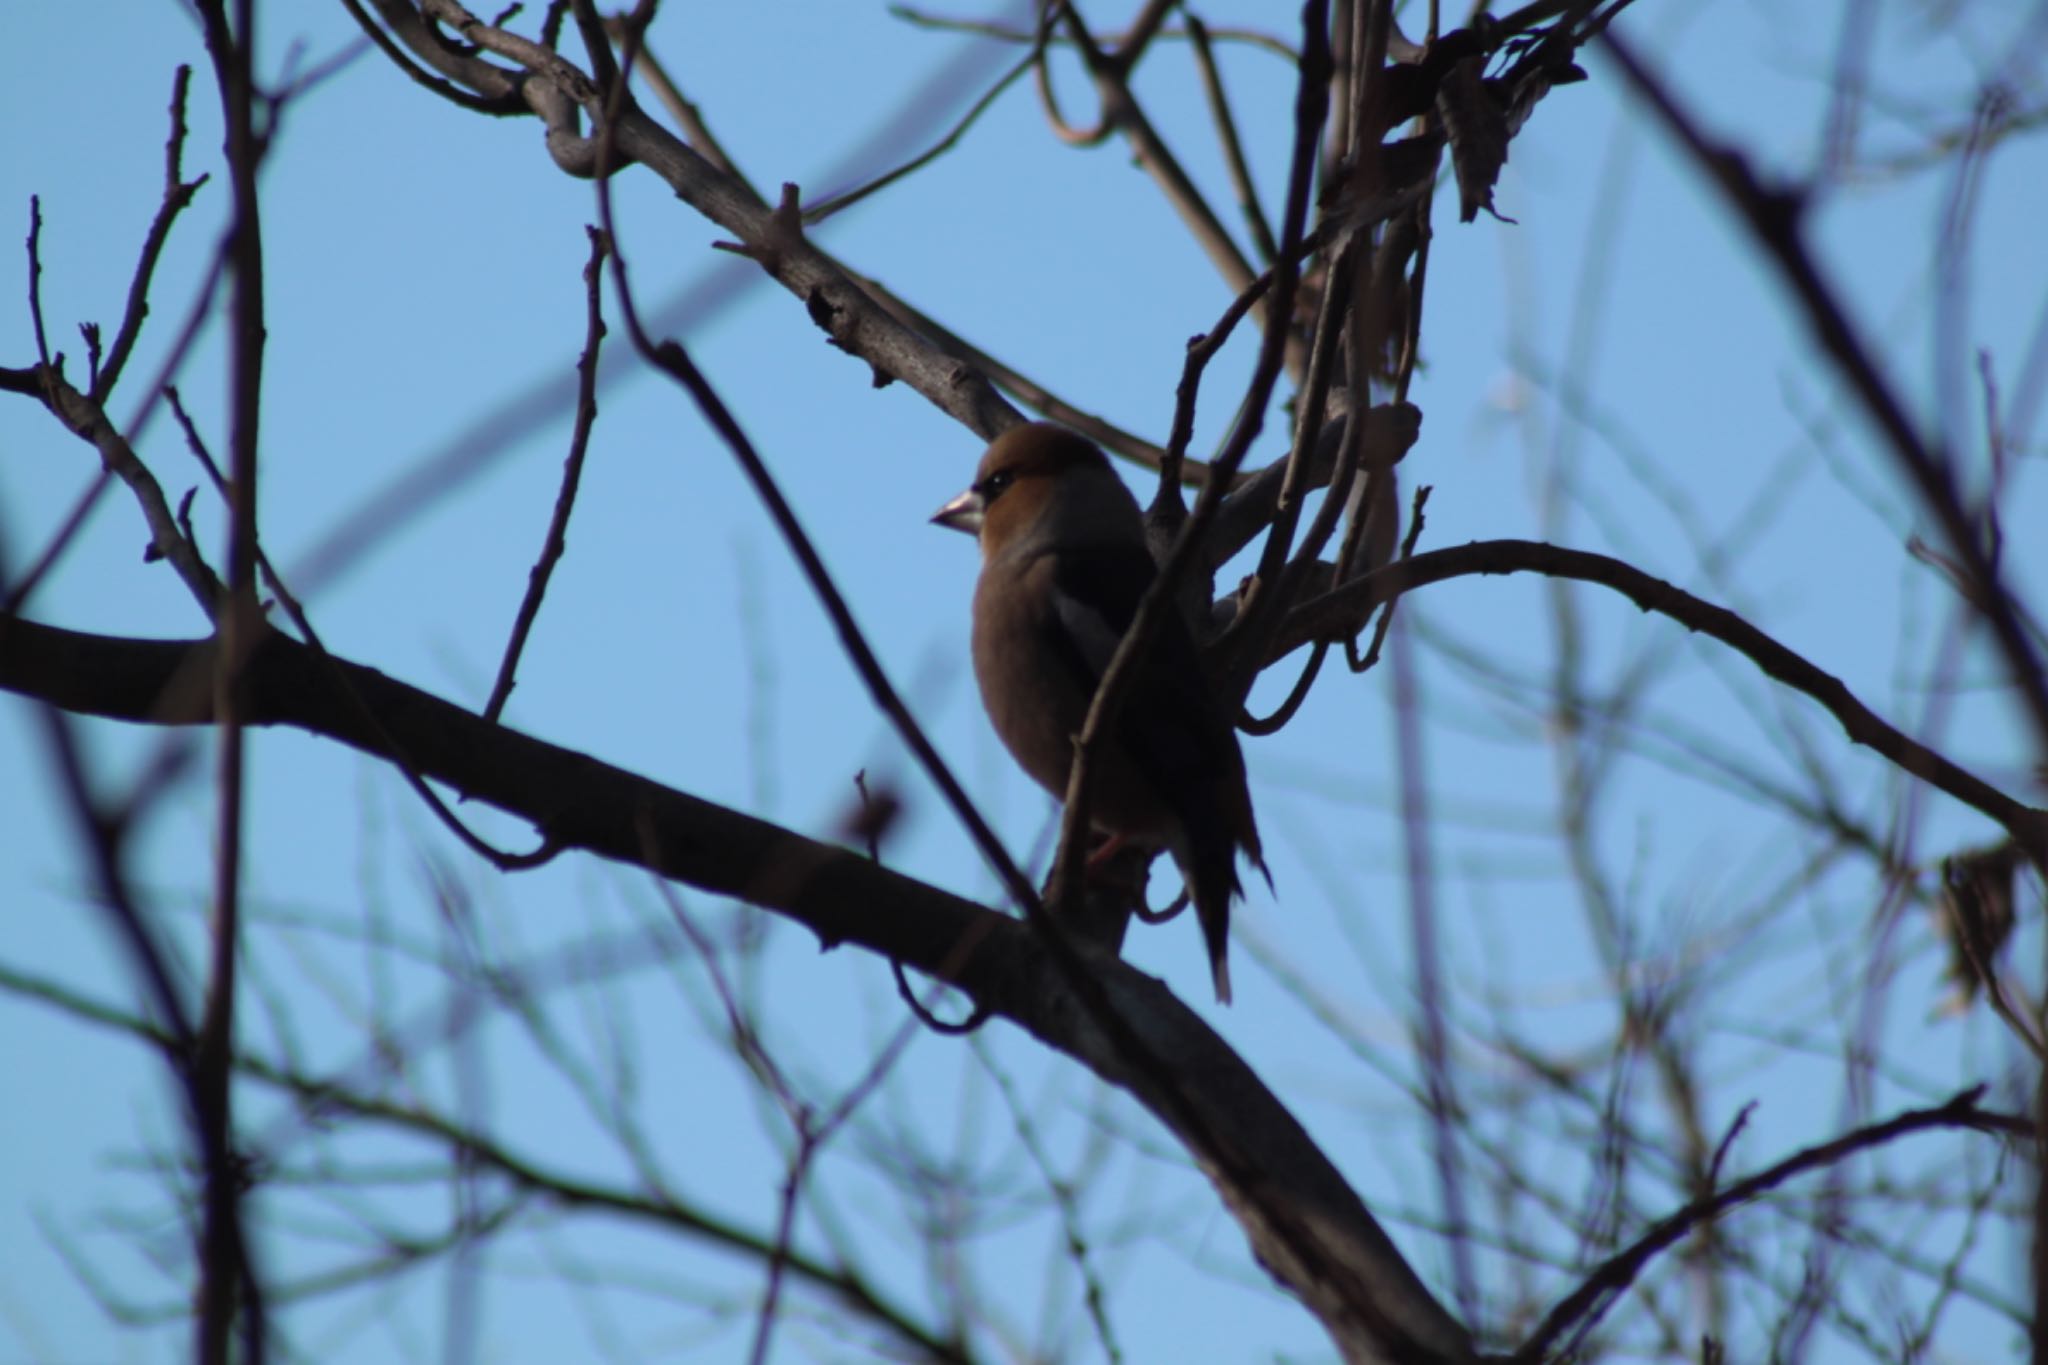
[(782, 233)]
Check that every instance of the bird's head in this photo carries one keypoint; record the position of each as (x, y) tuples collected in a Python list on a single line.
[(1042, 480)]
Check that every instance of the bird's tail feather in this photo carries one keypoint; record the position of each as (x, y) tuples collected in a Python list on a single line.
[(1209, 867)]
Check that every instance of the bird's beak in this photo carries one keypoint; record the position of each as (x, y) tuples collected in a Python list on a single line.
[(963, 513)]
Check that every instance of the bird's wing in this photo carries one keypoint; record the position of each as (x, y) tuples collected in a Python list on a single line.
[(1170, 723)]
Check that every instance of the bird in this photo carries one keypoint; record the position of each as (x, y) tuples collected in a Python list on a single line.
[(1063, 569)]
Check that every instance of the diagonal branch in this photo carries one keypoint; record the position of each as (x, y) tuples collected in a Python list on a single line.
[(1613, 1277), (1303, 1221), (89, 422), (836, 303), (1775, 218)]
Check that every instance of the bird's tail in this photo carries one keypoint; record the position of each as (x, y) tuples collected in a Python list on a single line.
[(1209, 867), (1217, 932)]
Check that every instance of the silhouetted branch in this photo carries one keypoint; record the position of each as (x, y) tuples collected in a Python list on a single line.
[(1303, 1220)]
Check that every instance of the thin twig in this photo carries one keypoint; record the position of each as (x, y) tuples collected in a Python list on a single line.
[(1160, 598), (1346, 608), (572, 476), (1010, 33), (1386, 621), (88, 421), (1593, 1298), (1069, 1207), (1174, 465), (35, 280), (329, 1099), (24, 587), (1122, 112), (1296, 695), (1226, 136), (669, 357), (500, 104), (548, 847), (838, 203), (686, 114), (1775, 219), (178, 193), (224, 1259)]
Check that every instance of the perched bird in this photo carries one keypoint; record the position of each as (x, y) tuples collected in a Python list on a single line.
[(1063, 568)]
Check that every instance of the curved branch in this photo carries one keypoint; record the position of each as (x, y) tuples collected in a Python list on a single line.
[(1303, 1221), (1591, 1299), (1343, 612), (1776, 218), (499, 100)]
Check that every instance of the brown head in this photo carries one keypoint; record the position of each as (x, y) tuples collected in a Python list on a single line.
[(1042, 481)]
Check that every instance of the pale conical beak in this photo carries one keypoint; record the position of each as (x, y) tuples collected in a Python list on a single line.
[(963, 513)]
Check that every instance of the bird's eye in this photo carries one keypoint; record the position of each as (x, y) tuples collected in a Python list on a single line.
[(992, 487)]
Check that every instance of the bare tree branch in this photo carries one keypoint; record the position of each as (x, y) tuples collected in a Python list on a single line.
[(1303, 1220)]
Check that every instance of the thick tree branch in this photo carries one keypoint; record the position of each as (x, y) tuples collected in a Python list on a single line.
[(838, 305), (1304, 1222)]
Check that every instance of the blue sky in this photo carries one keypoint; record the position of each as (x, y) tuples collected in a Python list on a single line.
[(1621, 343)]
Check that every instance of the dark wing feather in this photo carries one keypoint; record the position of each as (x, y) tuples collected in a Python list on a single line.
[(1172, 727), (1178, 731)]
